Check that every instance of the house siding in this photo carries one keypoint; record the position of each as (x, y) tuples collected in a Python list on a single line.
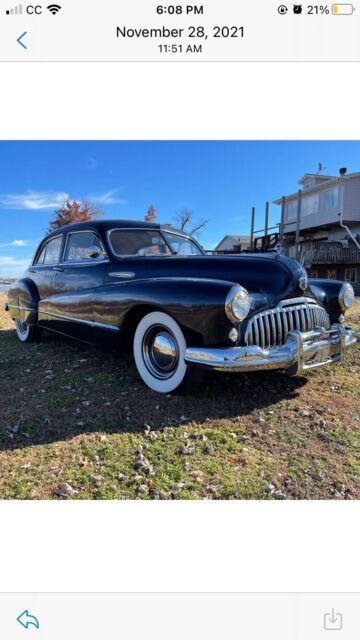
[(351, 204), (352, 200)]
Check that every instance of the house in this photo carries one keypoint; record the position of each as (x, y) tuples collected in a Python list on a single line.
[(320, 226), (233, 244)]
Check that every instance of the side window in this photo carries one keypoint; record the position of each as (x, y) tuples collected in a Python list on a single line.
[(83, 246), (50, 252), (41, 257)]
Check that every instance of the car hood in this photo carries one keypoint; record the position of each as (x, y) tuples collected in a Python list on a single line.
[(270, 275)]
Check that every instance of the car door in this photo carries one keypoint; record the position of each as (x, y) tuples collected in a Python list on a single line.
[(77, 276), (42, 273)]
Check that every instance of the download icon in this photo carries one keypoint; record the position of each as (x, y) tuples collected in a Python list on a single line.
[(333, 621)]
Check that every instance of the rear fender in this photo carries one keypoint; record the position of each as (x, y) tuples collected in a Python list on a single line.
[(23, 300)]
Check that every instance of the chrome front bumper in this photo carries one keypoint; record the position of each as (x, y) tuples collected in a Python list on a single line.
[(301, 351)]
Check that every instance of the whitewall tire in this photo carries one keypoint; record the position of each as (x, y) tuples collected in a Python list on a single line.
[(26, 332), (159, 350)]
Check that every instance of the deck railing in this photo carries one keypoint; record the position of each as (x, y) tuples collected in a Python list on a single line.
[(326, 253)]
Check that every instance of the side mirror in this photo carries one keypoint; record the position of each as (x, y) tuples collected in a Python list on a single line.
[(95, 253)]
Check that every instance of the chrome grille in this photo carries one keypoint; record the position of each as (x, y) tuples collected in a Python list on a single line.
[(270, 328)]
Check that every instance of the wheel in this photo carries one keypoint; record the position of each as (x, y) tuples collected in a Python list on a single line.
[(26, 332), (159, 350)]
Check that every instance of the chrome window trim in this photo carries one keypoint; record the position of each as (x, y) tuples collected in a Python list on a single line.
[(41, 247), (83, 263), (133, 255), (91, 323), (88, 260)]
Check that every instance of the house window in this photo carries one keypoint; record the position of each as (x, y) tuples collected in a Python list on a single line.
[(350, 275), (331, 274), (292, 210), (310, 204), (332, 198), (313, 273)]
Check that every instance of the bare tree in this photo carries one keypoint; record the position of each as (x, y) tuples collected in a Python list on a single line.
[(185, 222), (71, 212)]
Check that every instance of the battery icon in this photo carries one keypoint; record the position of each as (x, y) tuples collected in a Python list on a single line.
[(342, 9)]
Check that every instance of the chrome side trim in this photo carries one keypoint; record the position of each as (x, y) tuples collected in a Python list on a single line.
[(122, 274), (15, 306), (301, 352), (88, 322)]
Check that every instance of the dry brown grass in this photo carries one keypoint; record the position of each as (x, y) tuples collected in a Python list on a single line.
[(69, 414)]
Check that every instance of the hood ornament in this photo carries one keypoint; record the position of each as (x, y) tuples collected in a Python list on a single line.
[(303, 283)]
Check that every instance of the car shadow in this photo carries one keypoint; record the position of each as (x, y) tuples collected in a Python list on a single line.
[(58, 389)]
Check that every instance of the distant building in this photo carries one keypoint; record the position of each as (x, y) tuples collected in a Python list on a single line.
[(326, 248), (233, 244)]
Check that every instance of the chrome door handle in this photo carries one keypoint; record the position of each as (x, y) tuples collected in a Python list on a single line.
[(58, 269)]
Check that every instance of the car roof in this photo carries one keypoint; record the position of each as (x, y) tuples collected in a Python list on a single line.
[(105, 225)]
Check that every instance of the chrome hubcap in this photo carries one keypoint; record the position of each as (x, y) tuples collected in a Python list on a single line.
[(160, 352), (22, 327)]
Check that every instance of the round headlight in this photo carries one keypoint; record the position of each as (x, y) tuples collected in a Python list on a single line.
[(237, 305), (346, 296)]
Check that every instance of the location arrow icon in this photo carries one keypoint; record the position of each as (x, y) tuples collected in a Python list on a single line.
[(25, 619)]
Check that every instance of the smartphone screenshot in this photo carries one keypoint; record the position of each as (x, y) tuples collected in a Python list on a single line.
[(179, 320)]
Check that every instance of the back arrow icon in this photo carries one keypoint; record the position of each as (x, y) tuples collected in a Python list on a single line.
[(20, 39), (26, 620)]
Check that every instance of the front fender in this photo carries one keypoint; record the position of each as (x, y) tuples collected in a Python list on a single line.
[(197, 304), (22, 301), (327, 294)]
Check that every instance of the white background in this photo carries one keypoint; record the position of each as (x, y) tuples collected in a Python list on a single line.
[(84, 30), (210, 616), (143, 546)]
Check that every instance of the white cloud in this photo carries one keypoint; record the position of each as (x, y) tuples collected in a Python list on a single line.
[(91, 163), (109, 197), (32, 200), (15, 243), (238, 218), (38, 200), (11, 267)]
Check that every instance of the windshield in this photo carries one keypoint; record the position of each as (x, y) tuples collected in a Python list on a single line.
[(138, 242), (181, 245)]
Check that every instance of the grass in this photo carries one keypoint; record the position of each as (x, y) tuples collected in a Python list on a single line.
[(76, 417)]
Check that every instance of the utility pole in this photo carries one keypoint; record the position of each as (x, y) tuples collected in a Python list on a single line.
[(266, 225), (252, 229), (297, 235), (282, 221)]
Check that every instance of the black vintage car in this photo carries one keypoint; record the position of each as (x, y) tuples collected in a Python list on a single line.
[(127, 283)]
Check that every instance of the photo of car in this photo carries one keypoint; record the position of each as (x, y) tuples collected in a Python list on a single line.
[(142, 286)]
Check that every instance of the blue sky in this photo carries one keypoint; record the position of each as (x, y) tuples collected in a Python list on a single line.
[(219, 181)]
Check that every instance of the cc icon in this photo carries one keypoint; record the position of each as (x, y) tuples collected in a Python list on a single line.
[(282, 9)]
